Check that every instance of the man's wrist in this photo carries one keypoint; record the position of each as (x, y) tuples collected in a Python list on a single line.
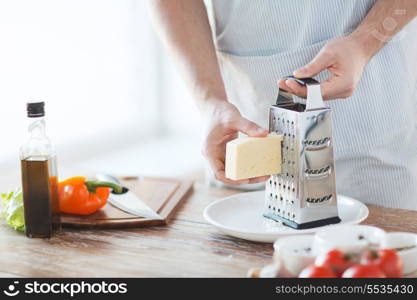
[(367, 42), (211, 105)]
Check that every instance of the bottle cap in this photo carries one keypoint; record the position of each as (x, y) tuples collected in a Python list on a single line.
[(35, 109)]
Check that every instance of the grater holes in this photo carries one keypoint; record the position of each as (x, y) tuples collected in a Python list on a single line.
[(317, 171), (319, 199), (316, 142)]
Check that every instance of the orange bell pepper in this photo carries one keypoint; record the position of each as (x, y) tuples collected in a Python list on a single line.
[(82, 197)]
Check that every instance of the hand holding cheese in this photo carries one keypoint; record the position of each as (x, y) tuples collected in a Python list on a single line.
[(222, 123), (248, 157)]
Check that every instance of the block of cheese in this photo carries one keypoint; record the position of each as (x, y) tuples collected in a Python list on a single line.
[(248, 157)]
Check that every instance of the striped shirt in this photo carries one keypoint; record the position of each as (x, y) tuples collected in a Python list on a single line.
[(375, 130)]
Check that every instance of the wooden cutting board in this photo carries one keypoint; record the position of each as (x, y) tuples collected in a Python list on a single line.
[(163, 195)]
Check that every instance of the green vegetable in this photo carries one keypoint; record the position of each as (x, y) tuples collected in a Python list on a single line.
[(12, 209)]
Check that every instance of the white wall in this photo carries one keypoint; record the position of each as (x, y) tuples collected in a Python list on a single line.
[(98, 66)]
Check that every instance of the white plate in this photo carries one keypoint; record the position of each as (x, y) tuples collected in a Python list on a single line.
[(240, 216)]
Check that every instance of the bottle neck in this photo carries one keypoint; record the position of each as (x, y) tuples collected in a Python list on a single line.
[(37, 127)]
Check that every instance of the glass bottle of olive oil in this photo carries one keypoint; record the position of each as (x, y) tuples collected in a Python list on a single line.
[(39, 177)]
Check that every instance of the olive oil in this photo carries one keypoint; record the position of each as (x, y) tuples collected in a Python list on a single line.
[(37, 197)]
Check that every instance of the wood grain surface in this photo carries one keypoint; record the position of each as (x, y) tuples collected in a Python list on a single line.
[(187, 247)]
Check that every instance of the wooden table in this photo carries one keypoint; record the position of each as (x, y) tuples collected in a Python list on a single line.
[(188, 247)]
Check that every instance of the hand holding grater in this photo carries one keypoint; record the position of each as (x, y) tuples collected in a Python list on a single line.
[(304, 194)]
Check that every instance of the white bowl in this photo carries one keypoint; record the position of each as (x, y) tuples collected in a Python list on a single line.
[(406, 246), (293, 254), (348, 238)]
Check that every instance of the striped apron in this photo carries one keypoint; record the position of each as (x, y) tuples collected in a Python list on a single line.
[(375, 130)]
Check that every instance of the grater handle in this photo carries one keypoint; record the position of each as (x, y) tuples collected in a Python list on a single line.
[(314, 98), (303, 81)]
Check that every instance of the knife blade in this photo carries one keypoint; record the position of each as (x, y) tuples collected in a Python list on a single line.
[(128, 201)]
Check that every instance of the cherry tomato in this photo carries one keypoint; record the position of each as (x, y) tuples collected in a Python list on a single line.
[(363, 271), (317, 272), (385, 259), (336, 260)]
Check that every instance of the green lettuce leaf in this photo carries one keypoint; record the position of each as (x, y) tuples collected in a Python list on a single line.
[(12, 209)]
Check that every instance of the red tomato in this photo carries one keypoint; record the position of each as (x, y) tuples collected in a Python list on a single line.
[(363, 271), (317, 272), (336, 260), (385, 259)]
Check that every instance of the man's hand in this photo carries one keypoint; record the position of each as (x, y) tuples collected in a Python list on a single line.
[(345, 58), (223, 122)]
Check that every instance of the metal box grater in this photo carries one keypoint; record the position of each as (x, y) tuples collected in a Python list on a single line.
[(304, 194)]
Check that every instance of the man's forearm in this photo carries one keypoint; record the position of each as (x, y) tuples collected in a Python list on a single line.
[(385, 19), (184, 28)]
